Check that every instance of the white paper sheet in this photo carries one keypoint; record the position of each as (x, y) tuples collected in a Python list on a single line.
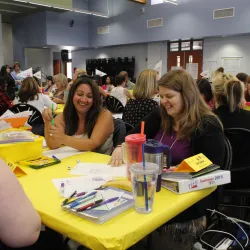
[(192, 69), (79, 184), (117, 116), (158, 68), (62, 152), (97, 169)]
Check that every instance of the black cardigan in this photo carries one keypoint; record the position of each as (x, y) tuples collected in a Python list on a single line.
[(207, 139)]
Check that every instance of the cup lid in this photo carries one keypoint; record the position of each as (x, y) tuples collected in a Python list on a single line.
[(136, 138), (154, 147)]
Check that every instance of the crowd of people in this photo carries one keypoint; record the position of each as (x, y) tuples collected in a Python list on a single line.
[(188, 116)]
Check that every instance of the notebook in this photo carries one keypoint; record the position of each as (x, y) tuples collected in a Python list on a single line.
[(106, 212)]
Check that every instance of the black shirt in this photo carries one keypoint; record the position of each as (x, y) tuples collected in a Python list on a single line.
[(136, 109)]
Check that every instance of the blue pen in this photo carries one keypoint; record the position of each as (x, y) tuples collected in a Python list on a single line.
[(83, 199), (104, 203)]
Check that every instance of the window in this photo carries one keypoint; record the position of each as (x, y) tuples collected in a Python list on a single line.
[(174, 46), (178, 61), (69, 70), (197, 45), (185, 46), (190, 59)]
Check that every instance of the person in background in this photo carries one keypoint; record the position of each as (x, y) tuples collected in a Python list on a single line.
[(145, 89), (15, 72), (230, 98), (78, 72), (119, 92), (205, 89), (128, 84), (229, 95), (186, 124), (217, 72), (61, 82), (243, 78), (50, 87), (98, 81), (110, 83), (30, 93), (5, 101), (5, 73), (20, 224), (247, 92), (84, 124)]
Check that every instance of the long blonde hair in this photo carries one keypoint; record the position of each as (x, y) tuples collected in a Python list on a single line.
[(146, 84), (219, 87), (194, 108), (62, 79)]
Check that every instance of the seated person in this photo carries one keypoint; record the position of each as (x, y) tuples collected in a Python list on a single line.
[(119, 92), (5, 102), (83, 125), (50, 87), (128, 84), (61, 82), (186, 124), (230, 99), (247, 92), (19, 222), (30, 93), (205, 89), (243, 77), (110, 83), (145, 89)]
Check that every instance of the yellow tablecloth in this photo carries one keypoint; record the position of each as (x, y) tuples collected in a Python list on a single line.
[(60, 108), (119, 233)]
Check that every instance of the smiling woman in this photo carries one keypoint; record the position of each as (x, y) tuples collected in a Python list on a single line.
[(84, 125)]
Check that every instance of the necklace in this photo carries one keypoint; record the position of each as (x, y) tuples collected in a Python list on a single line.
[(163, 134)]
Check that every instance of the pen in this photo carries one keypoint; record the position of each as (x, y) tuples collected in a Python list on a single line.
[(55, 158), (88, 206), (104, 202), (80, 194), (52, 121), (66, 200), (83, 199), (61, 190)]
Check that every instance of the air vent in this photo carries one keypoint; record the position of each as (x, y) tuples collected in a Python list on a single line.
[(103, 30), (224, 13), (155, 23)]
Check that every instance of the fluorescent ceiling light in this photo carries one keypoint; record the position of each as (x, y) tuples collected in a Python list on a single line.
[(40, 4), (22, 1), (19, 5), (9, 11), (171, 1)]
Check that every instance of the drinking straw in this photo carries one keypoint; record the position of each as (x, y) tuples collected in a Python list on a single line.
[(144, 168), (52, 121), (139, 156), (145, 179)]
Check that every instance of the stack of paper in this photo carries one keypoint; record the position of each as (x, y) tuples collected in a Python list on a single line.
[(62, 152)]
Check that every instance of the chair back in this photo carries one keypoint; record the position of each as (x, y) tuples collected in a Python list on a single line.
[(114, 105), (228, 154), (36, 117), (239, 139), (128, 126)]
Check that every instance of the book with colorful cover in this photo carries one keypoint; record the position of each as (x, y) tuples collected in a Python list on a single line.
[(103, 213)]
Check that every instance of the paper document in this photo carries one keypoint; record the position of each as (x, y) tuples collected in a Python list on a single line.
[(117, 116), (4, 125), (9, 114), (79, 184), (99, 170), (62, 152)]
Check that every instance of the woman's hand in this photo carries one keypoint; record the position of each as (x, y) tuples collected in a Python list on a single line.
[(47, 115), (116, 157), (57, 133)]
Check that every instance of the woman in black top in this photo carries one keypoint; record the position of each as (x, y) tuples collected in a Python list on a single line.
[(185, 115), (145, 89), (9, 81)]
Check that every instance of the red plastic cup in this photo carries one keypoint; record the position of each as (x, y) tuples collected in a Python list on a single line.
[(132, 150)]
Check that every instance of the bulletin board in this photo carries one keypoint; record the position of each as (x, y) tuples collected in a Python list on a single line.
[(231, 64)]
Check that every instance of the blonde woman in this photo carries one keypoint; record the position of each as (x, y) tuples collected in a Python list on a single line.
[(185, 123), (145, 89), (61, 82)]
